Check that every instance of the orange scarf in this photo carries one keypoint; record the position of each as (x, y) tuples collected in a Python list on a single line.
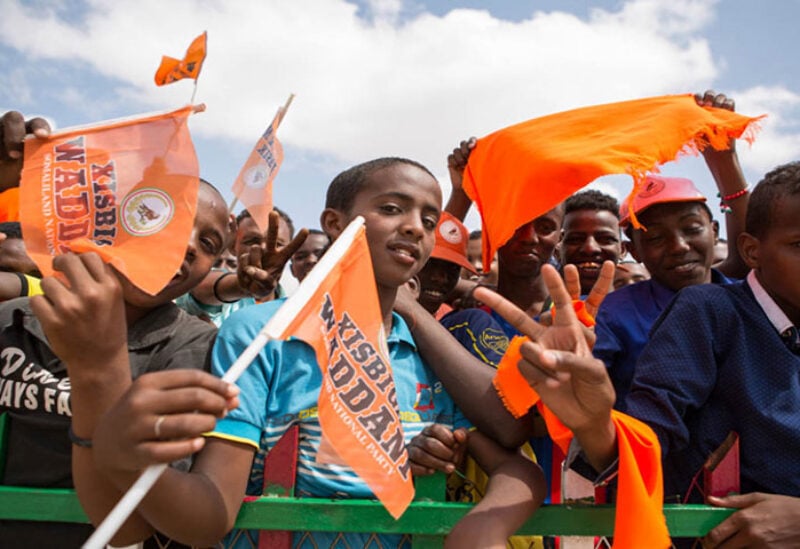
[(518, 173), (639, 518)]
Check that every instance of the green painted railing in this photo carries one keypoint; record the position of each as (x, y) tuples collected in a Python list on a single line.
[(428, 518)]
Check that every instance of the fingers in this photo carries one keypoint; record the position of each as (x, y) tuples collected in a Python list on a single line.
[(12, 125), (435, 449), (272, 230), (710, 98), (181, 378), (513, 314), (38, 127), (737, 501), (572, 281), (601, 288), (14, 128), (460, 155), (565, 313), (289, 250)]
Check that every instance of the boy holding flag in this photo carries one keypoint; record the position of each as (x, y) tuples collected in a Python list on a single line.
[(401, 203)]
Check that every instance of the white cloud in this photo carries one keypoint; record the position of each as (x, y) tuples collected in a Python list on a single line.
[(374, 87), (778, 141)]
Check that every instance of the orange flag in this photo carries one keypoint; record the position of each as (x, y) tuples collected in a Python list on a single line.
[(518, 173), (639, 520), (253, 185), (357, 403), (171, 69), (126, 189)]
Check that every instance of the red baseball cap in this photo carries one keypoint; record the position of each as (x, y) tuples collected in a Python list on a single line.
[(658, 190), (451, 242)]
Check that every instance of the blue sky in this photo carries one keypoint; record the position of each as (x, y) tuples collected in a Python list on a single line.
[(393, 77)]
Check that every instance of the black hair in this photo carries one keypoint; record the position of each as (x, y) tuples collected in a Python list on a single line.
[(317, 231), (343, 189), (475, 235), (591, 199), (12, 229), (244, 214), (776, 185)]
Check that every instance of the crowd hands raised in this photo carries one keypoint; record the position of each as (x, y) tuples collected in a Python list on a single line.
[(659, 350)]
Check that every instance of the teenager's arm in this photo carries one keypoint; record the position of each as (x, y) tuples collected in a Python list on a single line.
[(467, 379), (459, 203), (724, 167), (515, 491)]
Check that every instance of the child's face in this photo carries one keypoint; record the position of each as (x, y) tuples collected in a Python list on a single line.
[(401, 206), (436, 280), (208, 240), (531, 246), (590, 237), (308, 255), (678, 246), (777, 257)]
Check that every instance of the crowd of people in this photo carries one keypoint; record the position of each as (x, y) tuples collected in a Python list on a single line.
[(100, 379)]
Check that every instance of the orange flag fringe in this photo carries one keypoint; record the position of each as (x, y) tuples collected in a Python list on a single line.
[(518, 173), (253, 185), (125, 189), (171, 70), (357, 403), (639, 520)]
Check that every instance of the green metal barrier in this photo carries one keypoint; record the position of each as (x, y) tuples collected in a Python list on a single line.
[(428, 518)]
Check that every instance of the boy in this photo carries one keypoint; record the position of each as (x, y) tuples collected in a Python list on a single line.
[(721, 358), (97, 321), (307, 256), (440, 275), (400, 201), (259, 265), (590, 234)]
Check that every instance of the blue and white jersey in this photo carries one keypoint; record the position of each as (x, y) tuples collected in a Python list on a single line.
[(281, 388)]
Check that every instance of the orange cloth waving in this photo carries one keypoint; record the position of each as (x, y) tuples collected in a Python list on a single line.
[(126, 190), (639, 520), (518, 173), (171, 69)]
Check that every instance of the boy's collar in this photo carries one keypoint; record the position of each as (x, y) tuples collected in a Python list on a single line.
[(774, 313)]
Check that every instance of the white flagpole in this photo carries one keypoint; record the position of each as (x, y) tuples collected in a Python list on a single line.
[(273, 329)]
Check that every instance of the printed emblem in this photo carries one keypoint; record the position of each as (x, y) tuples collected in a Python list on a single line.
[(653, 187), (256, 177), (146, 211), (424, 400), (450, 232)]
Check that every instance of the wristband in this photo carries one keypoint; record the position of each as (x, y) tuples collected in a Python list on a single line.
[(724, 207), (78, 441), (216, 288)]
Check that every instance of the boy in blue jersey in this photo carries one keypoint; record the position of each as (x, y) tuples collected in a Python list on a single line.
[(401, 203)]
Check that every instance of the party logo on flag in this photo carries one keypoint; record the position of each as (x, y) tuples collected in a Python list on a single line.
[(126, 190), (146, 211)]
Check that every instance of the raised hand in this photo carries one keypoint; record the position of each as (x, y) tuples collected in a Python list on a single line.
[(13, 129), (259, 269), (559, 365)]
